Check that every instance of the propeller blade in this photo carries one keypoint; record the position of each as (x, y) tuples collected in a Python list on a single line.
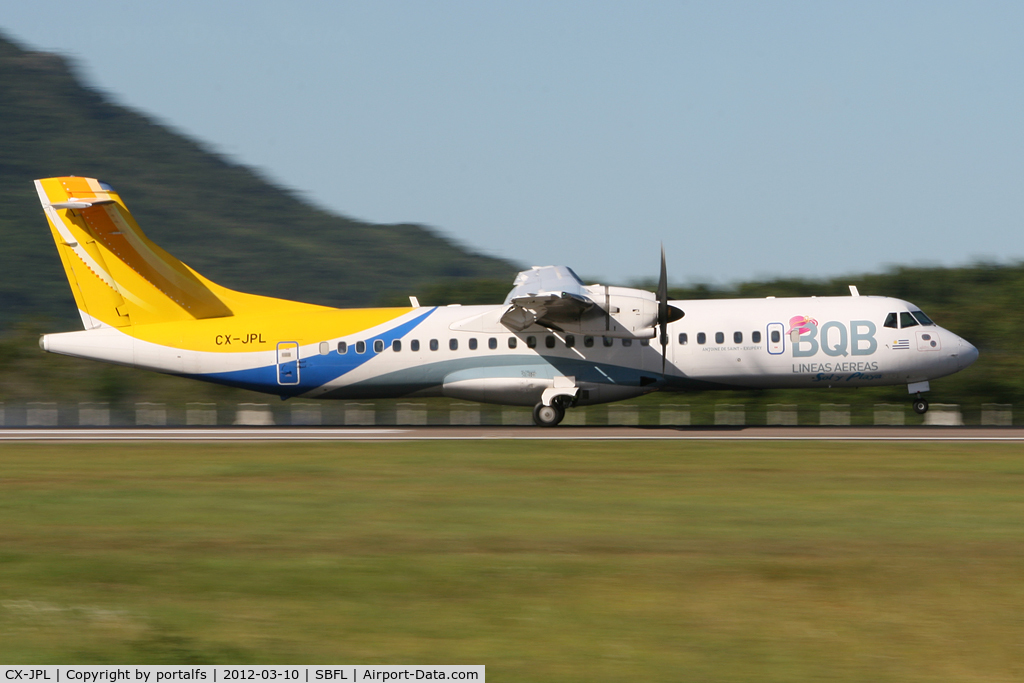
[(663, 309)]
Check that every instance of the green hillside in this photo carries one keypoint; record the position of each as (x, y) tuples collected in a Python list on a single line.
[(219, 217)]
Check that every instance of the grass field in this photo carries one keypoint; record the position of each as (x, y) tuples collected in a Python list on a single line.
[(661, 561)]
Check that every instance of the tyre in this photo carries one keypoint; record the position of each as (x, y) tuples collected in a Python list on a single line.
[(920, 406), (547, 416)]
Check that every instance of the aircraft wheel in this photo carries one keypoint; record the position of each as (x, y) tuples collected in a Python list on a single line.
[(547, 416), (920, 406)]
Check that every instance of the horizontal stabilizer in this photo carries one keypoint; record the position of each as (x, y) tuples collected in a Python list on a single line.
[(79, 204)]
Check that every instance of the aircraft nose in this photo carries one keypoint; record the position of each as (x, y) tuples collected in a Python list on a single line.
[(967, 354)]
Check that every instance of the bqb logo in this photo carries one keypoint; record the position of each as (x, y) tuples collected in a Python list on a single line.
[(833, 339)]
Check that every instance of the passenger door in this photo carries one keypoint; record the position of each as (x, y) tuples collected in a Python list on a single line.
[(287, 363)]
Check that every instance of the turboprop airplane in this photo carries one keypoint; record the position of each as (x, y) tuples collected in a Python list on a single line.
[(555, 342)]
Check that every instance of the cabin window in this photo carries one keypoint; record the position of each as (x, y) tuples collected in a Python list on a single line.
[(683, 339), (378, 345), (492, 343), (588, 341), (755, 336), (531, 342), (890, 321), (607, 341), (453, 344), (737, 337), (325, 348), (549, 341), (472, 344), (433, 345), (396, 345), (922, 318), (719, 337), (645, 342), (570, 341), (907, 320), (414, 345), (513, 342), (627, 342), (342, 348), (360, 347), (702, 338), (776, 336)]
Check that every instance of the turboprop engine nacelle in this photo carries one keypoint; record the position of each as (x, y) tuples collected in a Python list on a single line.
[(619, 312)]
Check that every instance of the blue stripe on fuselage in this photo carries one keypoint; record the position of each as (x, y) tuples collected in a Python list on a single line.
[(314, 371)]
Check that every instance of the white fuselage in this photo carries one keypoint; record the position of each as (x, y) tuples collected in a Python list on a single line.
[(465, 352)]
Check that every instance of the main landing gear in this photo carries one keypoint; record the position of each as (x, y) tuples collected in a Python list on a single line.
[(549, 416), (920, 405)]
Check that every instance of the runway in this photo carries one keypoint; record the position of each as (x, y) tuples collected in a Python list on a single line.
[(472, 433)]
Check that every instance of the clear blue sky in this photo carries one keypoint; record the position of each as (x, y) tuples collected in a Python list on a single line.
[(752, 138)]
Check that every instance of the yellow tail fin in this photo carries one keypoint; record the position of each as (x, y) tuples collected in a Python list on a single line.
[(117, 275)]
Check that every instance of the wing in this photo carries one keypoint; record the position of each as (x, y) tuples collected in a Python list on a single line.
[(550, 296), (554, 297)]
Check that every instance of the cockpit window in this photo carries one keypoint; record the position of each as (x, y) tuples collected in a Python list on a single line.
[(922, 318), (907, 320), (890, 321)]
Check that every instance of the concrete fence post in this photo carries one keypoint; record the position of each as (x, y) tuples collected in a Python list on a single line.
[(623, 415), (944, 415), (730, 414), (94, 414), (675, 415), (38, 414), (890, 414), (411, 414), (835, 414), (254, 415), (360, 414), (516, 416), (306, 415), (782, 414), (997, 414), (197, 414), (150, 414), (464, 414)]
